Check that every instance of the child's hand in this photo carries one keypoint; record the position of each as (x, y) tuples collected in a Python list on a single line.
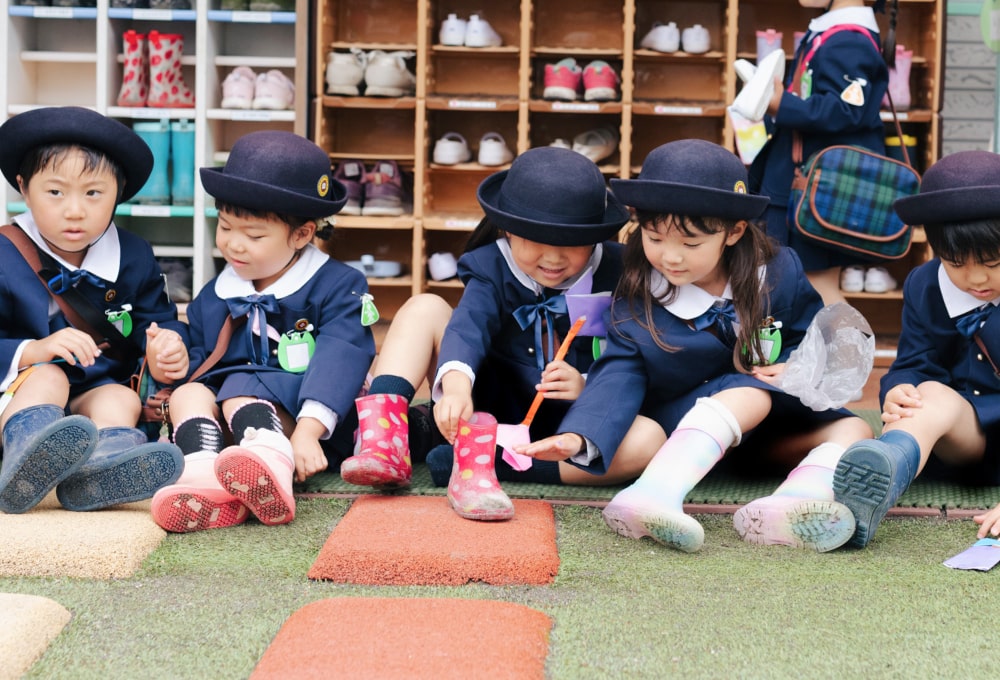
[(166, 354), (768, 374), (309, 456), (775, 103), (449, 410), (557, 447), (560, 381), (900, 402), (72, 345), (989, 523)]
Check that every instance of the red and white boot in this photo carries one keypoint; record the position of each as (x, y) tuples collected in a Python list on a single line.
[(259, 472), (383, 456), (135, 79), (166, 79), (196, 500), (473, 490)]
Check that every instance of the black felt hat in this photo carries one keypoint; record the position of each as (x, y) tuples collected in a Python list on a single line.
[(277, 171), (80, 126), (555, 196), (691, 177), (961, 187)]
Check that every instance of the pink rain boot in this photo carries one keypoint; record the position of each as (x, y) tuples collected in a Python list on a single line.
[(196, 500), (167, 88), (383, 458), (899, 80), (135, 79), (767, 41), (259, 472), (473, 490)]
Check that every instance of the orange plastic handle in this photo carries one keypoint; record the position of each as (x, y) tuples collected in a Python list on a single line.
[(560, 355)]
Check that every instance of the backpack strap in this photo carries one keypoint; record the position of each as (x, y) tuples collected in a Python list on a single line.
[(818, 41)]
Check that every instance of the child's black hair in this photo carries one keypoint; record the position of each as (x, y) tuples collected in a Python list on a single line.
[(293, 221), (40, 157), (962, 242), (741, 261), (485, 232)]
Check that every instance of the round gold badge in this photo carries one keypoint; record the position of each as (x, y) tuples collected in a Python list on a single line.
[(323, 186)]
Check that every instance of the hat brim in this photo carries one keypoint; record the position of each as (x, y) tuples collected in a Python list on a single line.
[(82, 127), (258, 196), (949, 205), (684, 199), (615, 217)]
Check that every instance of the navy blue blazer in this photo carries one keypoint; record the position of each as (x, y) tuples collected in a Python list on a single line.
[(635, 376), (24, 304), (931, 348), (484, 335)]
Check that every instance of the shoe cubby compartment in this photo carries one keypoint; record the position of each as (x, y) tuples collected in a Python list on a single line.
[(52, 58), (546, 128), (697, 84), (760, 15), (710, 15), (467, 72), (359, 133), (649, 132), (260, 47), (504, 18), (184, 27), (587, 25), (919, 29), (450, 197), (472, 128), (381, 24)]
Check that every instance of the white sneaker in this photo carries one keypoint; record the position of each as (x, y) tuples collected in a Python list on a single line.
[(493, 150), (597, 144), (274, 91), (561, 143), (744, 69), (451, 149), (386, 74), (696, 39), (345, 71), (238, 88), (879, 280), (662, 38), (442, 266), (852, 279), (452, 31), (752, 101), (479, 33)]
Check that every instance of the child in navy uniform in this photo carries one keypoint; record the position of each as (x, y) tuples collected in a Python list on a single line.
[(941, 394), (71, 423), (702, 288), (300, 349), (549, 224), (834, 99)]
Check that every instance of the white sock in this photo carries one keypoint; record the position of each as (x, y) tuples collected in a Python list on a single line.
[(813, 477)]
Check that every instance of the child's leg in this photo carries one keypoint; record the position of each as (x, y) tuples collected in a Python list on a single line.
[(41, 445), (125, 465), (873, 473), (801, 512), (653, 505), (197, 500), (260, 469)]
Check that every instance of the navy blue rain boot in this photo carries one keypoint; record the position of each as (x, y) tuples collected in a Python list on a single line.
[(41, 447), (124, 467), (871, 476)]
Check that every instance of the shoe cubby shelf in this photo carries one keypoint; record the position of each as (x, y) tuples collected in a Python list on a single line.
[(60, 56), (473, 90)]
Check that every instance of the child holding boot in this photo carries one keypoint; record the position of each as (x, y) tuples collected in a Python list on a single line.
[(300, 346), (702, 284), (548, 222), (71, 423), (941, 395)]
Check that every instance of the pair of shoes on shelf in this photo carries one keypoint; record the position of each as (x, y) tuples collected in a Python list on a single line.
[(476, 32), (596, 144), (384, 74), (855, 279), (667, 38), (452, 149), (171, 180), (244, 89), (152, 74), (376, 191), (566, 81)]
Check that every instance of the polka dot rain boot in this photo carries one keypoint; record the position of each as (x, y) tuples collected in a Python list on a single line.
[(383, 457), (473, 490)]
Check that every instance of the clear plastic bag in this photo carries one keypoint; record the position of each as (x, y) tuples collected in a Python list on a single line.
[(832, 363)]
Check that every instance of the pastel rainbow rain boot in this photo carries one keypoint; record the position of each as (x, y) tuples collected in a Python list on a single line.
[(135, 77), (473, 490), (383, 458), (259, 471)]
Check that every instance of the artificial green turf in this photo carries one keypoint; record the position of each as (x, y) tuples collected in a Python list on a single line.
[(207, 605)]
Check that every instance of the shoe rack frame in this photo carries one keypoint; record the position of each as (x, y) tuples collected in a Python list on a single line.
[(60, 56), (477, 90)]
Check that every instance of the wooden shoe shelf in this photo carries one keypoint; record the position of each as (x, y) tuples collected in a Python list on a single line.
[(472, 91), (61, 56)]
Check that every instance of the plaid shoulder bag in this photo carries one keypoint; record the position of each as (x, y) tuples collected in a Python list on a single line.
[(842, 196)]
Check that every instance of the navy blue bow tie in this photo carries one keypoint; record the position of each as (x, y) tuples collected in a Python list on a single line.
[(720, 315), (529, 314), (256, 307), (969, 323), (67, 279)]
